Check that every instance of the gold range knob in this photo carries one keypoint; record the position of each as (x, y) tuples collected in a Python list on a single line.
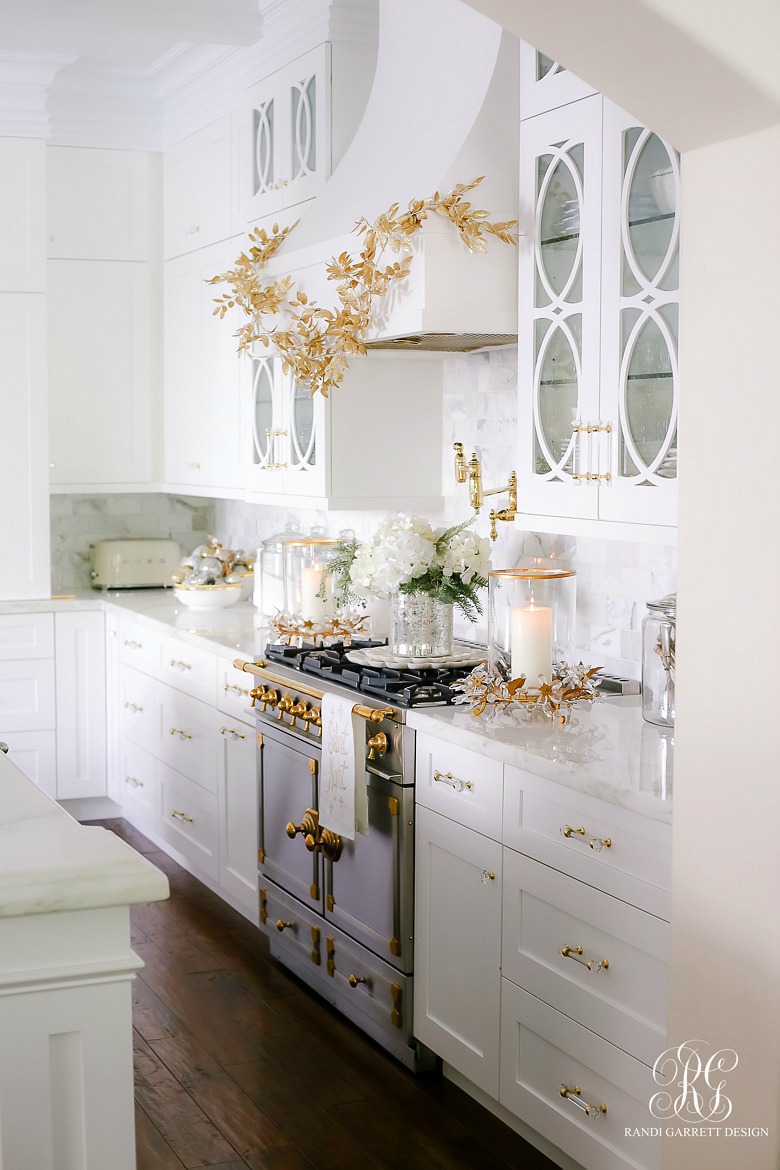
[(377, 745), (307, 828), (261, 695), (285, 704), (313, 716), (297, 711)]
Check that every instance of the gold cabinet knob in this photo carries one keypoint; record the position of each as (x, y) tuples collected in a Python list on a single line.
[(280, 926), (377, 745), (180, 816), (355, 979)]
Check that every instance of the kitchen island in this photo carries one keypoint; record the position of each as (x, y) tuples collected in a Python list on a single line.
[(66, 968)]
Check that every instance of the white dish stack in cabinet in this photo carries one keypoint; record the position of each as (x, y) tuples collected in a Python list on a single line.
[(598, 311), (186, 757), (541, 950)]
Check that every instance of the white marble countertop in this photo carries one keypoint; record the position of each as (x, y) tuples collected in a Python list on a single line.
[(606, 750), (49, 862)]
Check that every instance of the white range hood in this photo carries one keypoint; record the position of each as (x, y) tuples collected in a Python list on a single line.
[(443, 110)]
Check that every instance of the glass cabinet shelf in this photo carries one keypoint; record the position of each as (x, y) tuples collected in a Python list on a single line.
[(569, 237), (557, 382), (641, 220), (648, 377)]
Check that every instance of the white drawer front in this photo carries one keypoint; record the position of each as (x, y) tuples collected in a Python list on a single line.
[(27, 696), (189, 819), (623, 994), (543, 1051), (139, 646), (138, 785), (459, 784), (189, 669), (35, 752), (190, 741), (233, 687), (611, 848), (26, 635), (139, 708)]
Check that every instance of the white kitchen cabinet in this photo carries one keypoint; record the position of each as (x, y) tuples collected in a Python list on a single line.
[(202, 393), (100, 203), (27, 695), (238, 813), (545, 84), (286, 155), (189, 819), (80, 660), (371, 444), (103, 374), (24, 476), (598, 307), (113, 786), (199, 189), (22, 215), (457, 982)]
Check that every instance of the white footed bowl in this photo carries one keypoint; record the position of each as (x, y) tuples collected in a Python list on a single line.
[(662, 189), (208, 596)]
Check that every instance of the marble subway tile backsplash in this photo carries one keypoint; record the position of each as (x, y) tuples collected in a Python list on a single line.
[(614, 578), (78, 521)]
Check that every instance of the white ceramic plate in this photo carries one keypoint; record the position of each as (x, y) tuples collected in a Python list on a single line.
[(383, 656), (207, 596)]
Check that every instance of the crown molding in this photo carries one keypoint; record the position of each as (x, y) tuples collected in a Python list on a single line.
[(25, 79), (104, 106)]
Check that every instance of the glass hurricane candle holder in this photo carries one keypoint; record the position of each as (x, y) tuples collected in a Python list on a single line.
[(530, 620), (305, 561), (270, 595)]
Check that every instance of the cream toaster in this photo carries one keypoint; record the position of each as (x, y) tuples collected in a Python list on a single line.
[(133, 564)]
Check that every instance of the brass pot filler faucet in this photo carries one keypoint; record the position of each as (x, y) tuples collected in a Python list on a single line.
[(473, 472)]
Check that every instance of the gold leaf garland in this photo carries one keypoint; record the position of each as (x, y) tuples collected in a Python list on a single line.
[(488, 693), (318, 343)]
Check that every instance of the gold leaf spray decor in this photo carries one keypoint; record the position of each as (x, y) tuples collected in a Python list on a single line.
[(317, 343)]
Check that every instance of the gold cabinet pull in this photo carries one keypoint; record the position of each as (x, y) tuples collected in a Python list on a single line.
[(595, 965), (134, 707), (177, 662), (134, 781), (231, 731), (280, 926), (355, 979), (573, 1094), (231, 688), (569, 832), (178, 731), (599, 843), (133, 645), (180, 816), (447, 778)]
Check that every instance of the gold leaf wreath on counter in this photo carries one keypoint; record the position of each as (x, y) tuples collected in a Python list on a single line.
[(319, 342)]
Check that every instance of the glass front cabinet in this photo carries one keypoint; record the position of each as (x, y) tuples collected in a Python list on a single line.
[(287, 433), (599, 305)]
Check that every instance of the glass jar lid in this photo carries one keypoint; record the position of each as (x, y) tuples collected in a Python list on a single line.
[(665, 605)]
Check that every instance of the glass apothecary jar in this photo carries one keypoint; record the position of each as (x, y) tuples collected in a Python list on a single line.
[(270, 595), (305, 561), (531, 615), (659, 637)]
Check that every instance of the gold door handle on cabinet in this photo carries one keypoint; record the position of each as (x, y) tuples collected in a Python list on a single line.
[(595, 965), (355, 979), (180, 664), (134, 707), (599, 843), (308, 826), (235, 689), (135, 783), (573, 1094), (180, 816), (133, 645), (178, 731), (280, 926), (231, 731), (487, 875), (569, 832), (447, 778)]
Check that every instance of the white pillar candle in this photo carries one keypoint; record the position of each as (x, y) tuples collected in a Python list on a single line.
[(531, 642), (312, 606)]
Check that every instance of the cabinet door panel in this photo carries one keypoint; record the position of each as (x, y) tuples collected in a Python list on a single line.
[(27, 696), (98, 203), (189, 819), (546, 85), (26, 635), (238, 814), (102, 379), (22, 215), (457, 946), (198, 189), (81, 704), (24, 477), (35, 752), (558, 348)]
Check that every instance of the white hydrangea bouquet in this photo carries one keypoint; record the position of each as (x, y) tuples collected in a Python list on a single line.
[(407, 555)]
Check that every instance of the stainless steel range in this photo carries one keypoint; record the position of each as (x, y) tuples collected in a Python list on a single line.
[(340, 913)]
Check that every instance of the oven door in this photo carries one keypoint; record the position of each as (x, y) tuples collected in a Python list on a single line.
[(288, 787), (369, 890)]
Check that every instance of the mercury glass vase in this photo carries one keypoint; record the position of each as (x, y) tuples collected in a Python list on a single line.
[(420, 626)]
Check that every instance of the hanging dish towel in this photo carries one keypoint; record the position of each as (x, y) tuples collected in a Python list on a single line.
[(343, 793)]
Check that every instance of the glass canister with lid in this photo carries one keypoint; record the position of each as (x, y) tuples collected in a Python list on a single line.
[(270, 595), (659, 638)]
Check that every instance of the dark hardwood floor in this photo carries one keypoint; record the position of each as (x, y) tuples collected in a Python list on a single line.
[(239, 1065)]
